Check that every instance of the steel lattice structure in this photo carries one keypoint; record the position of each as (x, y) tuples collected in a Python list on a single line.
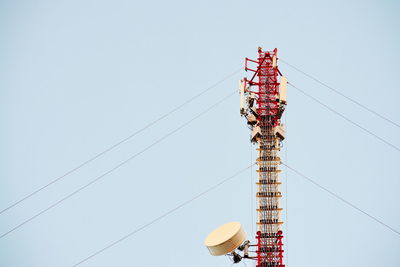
[(263, 103)]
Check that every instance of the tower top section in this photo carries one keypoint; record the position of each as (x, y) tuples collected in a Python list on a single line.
[(265, 91)]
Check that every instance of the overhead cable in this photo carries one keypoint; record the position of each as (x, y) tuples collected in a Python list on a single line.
[(343, 200), (117, 166), (120, 142), (341, 94), (344, 117), (163, 215)]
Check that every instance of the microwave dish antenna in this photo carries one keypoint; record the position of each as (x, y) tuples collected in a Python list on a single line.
[(225, 239)]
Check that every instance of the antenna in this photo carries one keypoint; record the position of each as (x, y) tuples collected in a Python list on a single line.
[(225, 239)]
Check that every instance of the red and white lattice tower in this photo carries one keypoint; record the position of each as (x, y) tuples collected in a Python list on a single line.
[(263, 101)]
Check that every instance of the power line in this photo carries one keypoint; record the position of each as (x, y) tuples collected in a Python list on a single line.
[(116, 167), (341, 94), (120, 142), (342, 199), (344, 117), (163, 215)]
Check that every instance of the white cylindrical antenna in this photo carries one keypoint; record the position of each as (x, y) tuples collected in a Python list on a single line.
[(225, 239), (241, 92)]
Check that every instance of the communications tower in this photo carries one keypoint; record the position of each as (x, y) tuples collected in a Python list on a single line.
[(262, 102)]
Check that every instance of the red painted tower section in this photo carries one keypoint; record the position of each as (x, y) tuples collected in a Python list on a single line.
[(268, 85)]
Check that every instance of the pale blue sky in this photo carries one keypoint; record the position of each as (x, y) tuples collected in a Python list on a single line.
[(78, 76)]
